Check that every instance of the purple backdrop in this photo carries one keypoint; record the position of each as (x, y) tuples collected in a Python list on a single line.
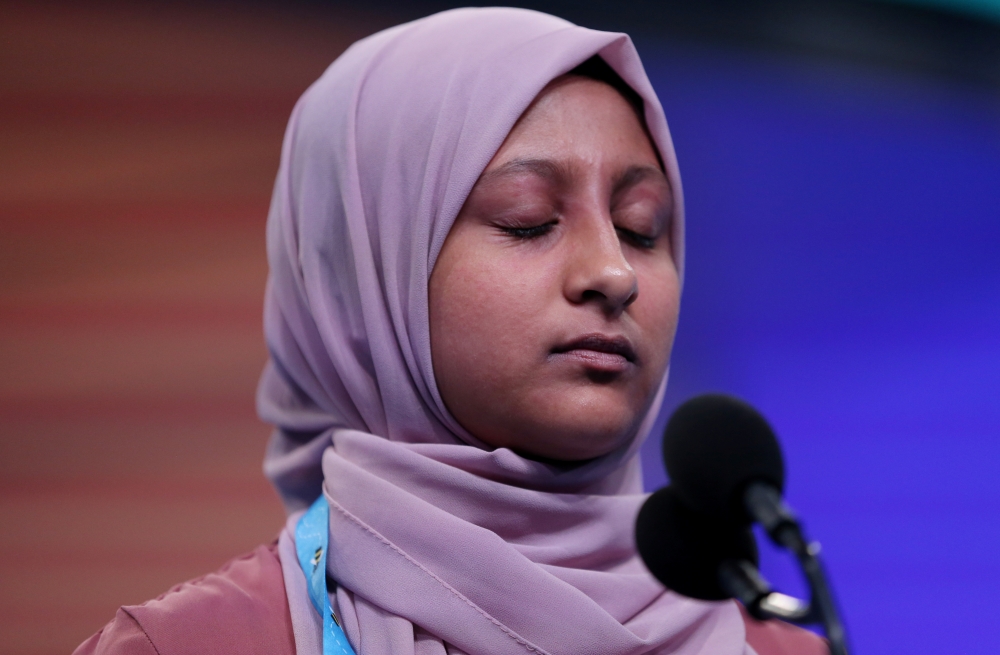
[(844, 228)]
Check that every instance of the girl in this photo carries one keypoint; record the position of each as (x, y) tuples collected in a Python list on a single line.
[(476, 247)]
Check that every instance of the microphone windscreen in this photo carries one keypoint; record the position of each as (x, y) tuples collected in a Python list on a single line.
[(683, 550), (714, 446)]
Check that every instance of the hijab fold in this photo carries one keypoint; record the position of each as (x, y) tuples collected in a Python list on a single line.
[(439, 543)]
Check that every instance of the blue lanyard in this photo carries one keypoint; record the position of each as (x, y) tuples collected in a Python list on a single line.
[(312, 537)]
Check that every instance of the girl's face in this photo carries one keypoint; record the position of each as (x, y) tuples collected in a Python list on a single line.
[(554, 301)]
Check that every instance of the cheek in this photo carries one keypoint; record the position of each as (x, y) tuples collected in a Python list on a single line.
[(656, 311), (482, 309)]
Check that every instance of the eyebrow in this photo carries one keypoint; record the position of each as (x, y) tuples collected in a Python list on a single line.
[(635, 174), (544, 168), (556, 172)]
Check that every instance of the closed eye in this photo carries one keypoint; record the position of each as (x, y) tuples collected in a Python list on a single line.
[(531, 232), (636, 239)]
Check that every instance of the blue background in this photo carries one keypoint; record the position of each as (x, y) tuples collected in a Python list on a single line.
[(843, 235)]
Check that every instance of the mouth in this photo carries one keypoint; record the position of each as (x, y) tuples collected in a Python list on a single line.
[(599, 350)]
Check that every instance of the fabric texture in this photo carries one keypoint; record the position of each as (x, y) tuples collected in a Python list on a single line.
[(307, 624), (241, 608), (220, 600), (779, 638), (439, 543)]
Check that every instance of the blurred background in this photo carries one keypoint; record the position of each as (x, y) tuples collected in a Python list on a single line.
[(842, 170)]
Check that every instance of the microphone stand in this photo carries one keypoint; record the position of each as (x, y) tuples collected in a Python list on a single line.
[(742, 579)]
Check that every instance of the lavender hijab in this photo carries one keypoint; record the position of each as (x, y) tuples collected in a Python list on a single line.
[(439, 544)]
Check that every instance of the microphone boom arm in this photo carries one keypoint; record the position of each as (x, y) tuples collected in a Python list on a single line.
[(744, 581)]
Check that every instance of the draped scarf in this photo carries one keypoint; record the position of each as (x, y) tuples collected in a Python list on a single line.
[(439, 543)]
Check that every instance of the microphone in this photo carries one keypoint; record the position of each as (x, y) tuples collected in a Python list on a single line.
[(724, 461), (684, 549), (726, 471)]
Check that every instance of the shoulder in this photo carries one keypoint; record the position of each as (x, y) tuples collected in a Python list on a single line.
[(241, 608), (780, 638)]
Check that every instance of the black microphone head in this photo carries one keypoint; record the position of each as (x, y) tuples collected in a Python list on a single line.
[(714, 446), (683, 550)]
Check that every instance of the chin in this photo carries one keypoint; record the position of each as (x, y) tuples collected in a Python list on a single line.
[(583, 433), (580, 449), (583, 426)]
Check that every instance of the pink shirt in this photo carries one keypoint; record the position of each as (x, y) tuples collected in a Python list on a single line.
[(242, 609)]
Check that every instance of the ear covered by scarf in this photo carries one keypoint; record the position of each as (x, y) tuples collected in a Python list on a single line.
[(439, 543)]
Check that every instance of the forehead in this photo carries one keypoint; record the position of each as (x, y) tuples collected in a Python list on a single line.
[(577, 118)]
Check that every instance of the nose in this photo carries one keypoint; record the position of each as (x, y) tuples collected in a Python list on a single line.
[(598, 271)]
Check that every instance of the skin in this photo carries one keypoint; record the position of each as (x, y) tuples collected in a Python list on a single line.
[(560, 254)]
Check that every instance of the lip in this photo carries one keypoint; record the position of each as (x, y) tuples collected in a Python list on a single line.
[(599, 351)]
